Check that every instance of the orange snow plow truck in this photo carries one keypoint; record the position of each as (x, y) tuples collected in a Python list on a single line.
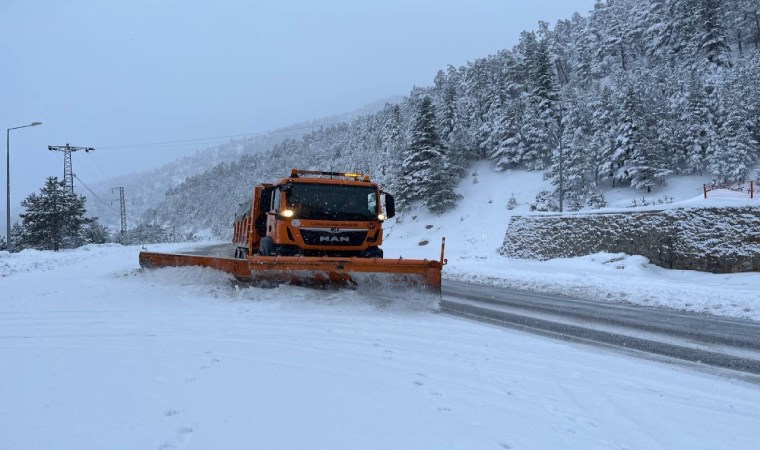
[(314, 228)]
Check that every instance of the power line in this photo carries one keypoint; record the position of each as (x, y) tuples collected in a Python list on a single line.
[(188, 141), (100, 168), (94, 194), (85, 186)]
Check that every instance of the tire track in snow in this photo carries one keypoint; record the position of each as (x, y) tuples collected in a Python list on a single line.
[(717, 342)]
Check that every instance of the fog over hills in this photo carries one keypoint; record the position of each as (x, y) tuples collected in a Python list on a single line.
[(632, 96), (145, 190)]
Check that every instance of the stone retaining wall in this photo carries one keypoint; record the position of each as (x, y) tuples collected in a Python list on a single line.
[(719, 240)]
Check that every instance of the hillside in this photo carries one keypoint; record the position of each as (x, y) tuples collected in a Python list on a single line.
[(475, 230), (145, 190), (635, 95)]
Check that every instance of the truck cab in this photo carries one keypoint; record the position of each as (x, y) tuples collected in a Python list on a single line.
[(313, 213)]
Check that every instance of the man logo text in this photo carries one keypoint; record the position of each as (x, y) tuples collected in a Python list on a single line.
[(334, 239)]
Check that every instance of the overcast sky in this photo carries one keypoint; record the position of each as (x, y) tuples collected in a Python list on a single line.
[(105, 73)]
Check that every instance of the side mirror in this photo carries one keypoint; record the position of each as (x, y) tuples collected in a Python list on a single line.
[(390, 205)]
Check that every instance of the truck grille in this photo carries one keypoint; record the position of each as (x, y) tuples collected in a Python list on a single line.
[(344, 237)]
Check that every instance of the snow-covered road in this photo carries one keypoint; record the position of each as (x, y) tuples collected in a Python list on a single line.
[(97, 354)]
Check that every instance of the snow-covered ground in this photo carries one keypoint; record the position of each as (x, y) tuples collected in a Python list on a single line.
[(97, 354), (475, 231)]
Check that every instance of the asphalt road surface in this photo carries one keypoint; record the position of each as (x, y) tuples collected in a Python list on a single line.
[(727, 345), (700, 339)]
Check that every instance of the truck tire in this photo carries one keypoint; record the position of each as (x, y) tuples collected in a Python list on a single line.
[(373, 252), (266, 246)]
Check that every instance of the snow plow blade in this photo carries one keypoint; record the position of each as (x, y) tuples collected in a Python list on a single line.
[(323, 271)]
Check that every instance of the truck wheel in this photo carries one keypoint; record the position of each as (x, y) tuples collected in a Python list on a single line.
[(373, 252), (266, 246)]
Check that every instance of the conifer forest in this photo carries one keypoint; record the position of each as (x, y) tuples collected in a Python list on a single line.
[(628, 95)]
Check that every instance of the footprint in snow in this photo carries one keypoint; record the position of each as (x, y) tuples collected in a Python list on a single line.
[(211, 362), (182, 434)]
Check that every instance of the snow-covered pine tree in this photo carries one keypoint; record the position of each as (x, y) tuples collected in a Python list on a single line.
[(54, 219), (640, 155), (631, 135), (578, 169), (508, 151), (148, 233), (18, 237), (604, 138), (561, 47), (95, 233), (426, 172), (3, 244), (478, 89), (743, 18), (680, 31), (447, 113), (698, 127), (731, 160), (392, 144), (655, 29), (525, 58), (541, 124), (655, 161), (581, 56), (647, 166), (488, 132), (746, 82), (441, 197), (508, 144), (712, 33), (734, 153), (618, 44)]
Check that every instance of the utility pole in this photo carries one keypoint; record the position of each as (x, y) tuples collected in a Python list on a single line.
[(123, 210), (561, 160), (68, 174), (561, 175), (8, 175)]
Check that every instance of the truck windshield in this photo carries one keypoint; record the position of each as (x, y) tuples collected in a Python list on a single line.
[(332, 202)]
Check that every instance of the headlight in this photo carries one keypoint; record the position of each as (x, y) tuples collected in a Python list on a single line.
[(288, 213), (381, 217)]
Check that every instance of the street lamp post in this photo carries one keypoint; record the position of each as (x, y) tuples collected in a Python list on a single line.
[(8, 177)]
